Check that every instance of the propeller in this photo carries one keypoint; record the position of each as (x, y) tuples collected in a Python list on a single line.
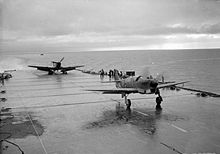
[(160, 77), (61, 59), (9, 71), (145, 72)]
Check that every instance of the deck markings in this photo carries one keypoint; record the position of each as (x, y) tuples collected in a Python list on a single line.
[(145, 114), (39, 138), (181, 129)]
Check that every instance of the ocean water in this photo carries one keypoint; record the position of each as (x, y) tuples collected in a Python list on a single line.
[(201, 67)]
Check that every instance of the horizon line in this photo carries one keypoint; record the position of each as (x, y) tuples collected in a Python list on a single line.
[(106, 50)]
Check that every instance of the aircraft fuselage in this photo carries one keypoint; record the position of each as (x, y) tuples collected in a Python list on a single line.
[(138, 83)]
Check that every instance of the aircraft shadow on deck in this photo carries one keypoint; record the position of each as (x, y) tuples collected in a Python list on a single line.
[(144, 119)]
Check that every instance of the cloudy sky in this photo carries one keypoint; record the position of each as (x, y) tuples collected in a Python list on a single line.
[(80, 25)]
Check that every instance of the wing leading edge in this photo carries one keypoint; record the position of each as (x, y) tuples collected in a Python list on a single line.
[(171, 84), (47, 69), (42, 68), (116, 90)]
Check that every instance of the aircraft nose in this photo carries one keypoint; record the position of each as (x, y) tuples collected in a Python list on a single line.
[(153, 84)]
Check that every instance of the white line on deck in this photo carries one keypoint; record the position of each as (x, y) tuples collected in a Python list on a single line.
[(181, 129), (141, 113), (41, 142)]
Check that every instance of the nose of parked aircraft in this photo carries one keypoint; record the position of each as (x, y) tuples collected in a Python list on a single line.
[(153, 84)]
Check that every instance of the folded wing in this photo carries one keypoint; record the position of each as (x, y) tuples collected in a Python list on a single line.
[(70, 68)]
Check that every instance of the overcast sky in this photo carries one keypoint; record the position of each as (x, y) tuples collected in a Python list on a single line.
[(79, 25)]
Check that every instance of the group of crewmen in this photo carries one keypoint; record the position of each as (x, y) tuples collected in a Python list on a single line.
[(111, 73)]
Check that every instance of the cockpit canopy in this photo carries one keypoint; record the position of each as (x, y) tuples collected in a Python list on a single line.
[(139, 77)]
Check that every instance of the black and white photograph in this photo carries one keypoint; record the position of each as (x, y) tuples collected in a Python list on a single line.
[(110, 76)]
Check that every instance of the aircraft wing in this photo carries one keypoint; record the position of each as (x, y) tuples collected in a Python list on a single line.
[(116, 90), (71, 68), (42, 68), (131, 90), (170, 84), (113, 81)]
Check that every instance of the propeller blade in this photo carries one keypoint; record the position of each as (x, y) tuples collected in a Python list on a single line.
[(159, 77), (9, 71), (146, 73), (61, 59), (162, 76)]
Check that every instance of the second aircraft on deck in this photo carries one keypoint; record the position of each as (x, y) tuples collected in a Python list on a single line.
[(56, 67)]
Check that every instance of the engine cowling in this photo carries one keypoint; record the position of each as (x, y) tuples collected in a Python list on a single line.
[(153, 86), (142, 91), (152, 91)]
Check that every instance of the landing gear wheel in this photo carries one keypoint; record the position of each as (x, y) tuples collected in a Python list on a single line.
[(64, 72), (128, 104), (158, 101), (50, 73)]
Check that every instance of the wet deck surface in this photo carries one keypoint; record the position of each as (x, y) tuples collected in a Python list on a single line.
[(53, 114)]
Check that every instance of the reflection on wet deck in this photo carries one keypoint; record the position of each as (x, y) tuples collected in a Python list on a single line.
[(144, 119), (18, 125)]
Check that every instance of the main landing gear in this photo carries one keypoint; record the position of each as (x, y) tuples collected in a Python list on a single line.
[(127, 101), (159, 99), (50, 73), (64, 72)]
